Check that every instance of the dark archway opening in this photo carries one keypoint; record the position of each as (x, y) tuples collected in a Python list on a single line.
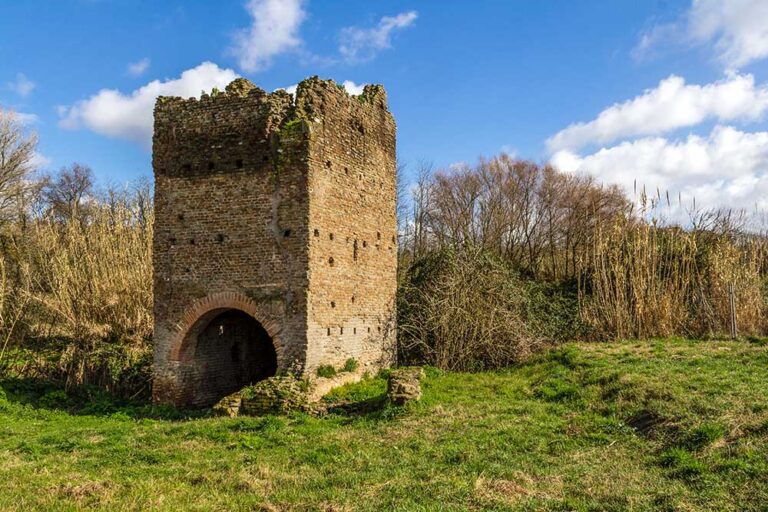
[(232, 351)]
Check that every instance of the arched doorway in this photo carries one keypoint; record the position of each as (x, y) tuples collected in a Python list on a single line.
[(231, 350)]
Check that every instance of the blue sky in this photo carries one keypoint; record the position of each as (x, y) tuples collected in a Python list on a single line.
[(670, 93)]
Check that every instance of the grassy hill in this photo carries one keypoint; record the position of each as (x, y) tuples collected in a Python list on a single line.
[(657, 425)]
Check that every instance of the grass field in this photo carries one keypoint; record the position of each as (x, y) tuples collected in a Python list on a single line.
[(657, 425)]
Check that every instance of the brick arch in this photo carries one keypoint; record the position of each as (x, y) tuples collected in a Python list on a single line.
[(198, 315)]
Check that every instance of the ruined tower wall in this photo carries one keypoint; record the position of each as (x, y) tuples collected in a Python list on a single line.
[(283, 210), (352, 250), (231, 224)]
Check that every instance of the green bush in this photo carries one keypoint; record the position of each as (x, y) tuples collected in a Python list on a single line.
[(553, 310), (57, 399), (116, 366), (350, 365), (325, 370)]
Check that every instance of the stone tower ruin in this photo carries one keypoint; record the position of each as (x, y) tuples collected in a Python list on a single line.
[(275, 236)]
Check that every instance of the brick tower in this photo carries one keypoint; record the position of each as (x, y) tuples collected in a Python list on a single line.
[(275, 236)]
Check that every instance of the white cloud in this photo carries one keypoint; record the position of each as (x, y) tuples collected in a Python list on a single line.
[(351, 87), (40, 161), (129, 116), (25, 118), (274, 29), (22, 86), (22, 118), (728, 167), (138, 68), (671, 105), (736, 29), (357, 44)]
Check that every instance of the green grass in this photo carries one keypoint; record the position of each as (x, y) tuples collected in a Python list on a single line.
[(657, 425)]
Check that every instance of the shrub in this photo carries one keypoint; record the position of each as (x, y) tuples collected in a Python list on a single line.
[(641, 270), (553, 310), (325, 370), (464, 310), (57, 399), (350, 365), (115, 366)]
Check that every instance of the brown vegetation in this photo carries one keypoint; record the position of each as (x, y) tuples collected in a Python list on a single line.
[(648, 280), (633, 275), (496, 260), (464, 311), (75, 273), (540, 220)]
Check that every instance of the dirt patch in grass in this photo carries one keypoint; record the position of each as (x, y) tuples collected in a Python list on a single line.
[(518, 487), (84, 493)]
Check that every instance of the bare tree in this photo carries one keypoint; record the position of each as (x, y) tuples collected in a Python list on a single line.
[(420, 196), (533, 216), (17, 152), (402, 198), (67, 192)]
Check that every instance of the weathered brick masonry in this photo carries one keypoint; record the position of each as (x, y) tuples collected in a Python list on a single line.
[(275, 236)]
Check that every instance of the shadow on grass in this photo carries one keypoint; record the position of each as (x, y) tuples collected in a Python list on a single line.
[(87, 401), (367, 407), (47, 395)]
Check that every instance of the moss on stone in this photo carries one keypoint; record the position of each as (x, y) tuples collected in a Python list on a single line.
[(275, 395)]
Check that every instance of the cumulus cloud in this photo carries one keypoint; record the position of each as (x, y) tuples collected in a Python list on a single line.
[(728, 167), (274, 30), (736, 29), (359, 44), (138, 68), (351, 87), (22, 86), (671, 105), (129, 116)]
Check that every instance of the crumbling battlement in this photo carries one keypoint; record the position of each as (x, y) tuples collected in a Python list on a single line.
[(243, 106), (281, 209)]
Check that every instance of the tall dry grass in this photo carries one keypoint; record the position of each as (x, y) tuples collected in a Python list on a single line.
[(79, 289), (93, 276), (642, 279)]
